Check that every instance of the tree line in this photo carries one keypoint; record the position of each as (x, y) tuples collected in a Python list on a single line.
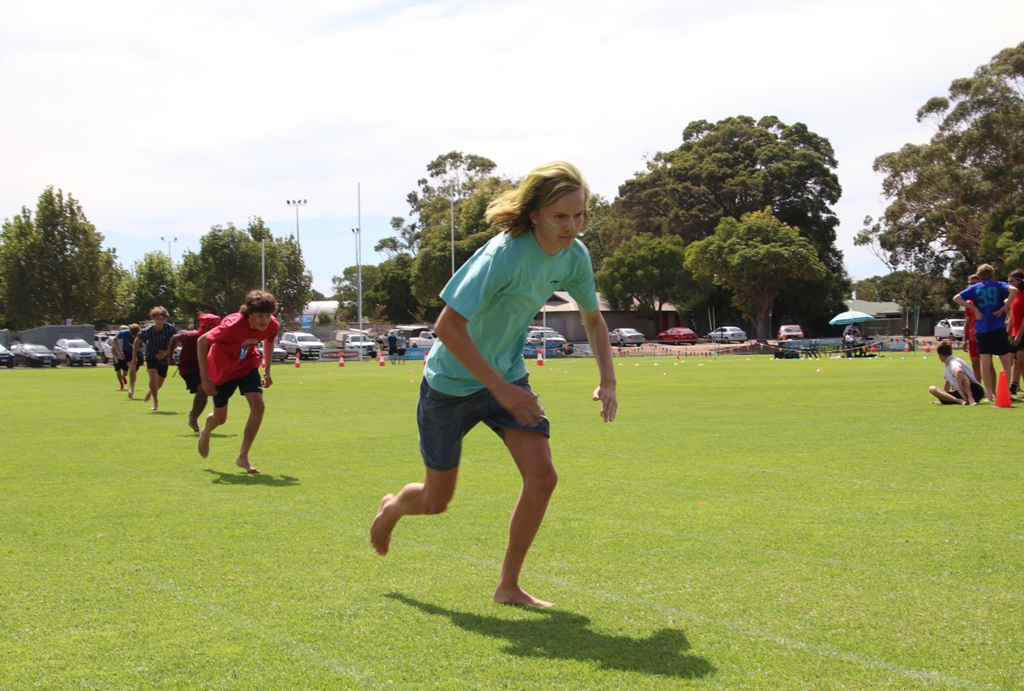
[(53, 267)]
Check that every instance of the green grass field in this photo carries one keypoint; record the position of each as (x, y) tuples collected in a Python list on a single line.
[(745, 523)]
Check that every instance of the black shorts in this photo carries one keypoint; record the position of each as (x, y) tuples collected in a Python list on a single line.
[(401, 352), (192, 381), (977, 393), (120, 365), (160, 367), (247, 383), (993, 342)]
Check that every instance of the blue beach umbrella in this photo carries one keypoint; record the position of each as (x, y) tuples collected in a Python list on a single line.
[(851, 317)]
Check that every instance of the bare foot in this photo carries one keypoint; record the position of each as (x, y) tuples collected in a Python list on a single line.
[(383, 524), (244, 463), (131, 393), (193, 422), (517, 596), (204, 442), (155, 404)]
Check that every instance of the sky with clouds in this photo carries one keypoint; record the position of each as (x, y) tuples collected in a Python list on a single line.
[(164, 119)]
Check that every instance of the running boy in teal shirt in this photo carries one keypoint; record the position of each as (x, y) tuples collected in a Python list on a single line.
[(476, 373)]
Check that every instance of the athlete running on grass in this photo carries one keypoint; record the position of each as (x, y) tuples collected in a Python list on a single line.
[(475, 372), (228, 360), (188, 365), (157, 339)]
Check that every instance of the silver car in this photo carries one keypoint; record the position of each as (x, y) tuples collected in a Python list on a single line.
[(549, 336), (75, 351), (622, 337), (728, 334)]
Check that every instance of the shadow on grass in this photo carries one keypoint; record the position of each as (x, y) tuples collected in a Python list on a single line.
[(561, 635), (243, 478), (166, 412)]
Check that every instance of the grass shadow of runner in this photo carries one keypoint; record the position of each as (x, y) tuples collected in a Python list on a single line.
[(561, 635), (243, 478)]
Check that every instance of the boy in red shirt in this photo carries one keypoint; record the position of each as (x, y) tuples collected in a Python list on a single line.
[(188, 364), (228, 360), (1014, 331)]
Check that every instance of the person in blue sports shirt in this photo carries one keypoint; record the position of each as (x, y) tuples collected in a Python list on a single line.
[(990, 300), (475, 371), (121, 349)]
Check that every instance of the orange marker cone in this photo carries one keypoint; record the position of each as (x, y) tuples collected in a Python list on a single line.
[(927, 348), (540, 358), (382, 363), (297, 365), (341, 359), (1002, 392)]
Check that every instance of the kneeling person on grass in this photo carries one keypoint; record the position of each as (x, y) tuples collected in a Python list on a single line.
[(960, 388), (229, 360), (188, 364)]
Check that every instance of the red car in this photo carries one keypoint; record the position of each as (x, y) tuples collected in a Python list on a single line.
[(678, 334), (788, 331)]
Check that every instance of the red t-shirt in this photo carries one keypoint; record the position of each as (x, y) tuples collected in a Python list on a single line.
[(969, 323), (1016, 313), (233, 347), (188, 358)]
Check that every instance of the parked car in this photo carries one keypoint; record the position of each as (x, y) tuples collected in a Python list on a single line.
[(306, 345), (33, 355), (103, 344), (279, 354), (626, 337), (728, 334), (424, 340), (788, 331), (75, 351), (950, 328), (549, 336), (678, 334), (6, 357)]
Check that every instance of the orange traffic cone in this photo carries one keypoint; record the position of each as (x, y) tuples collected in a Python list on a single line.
[(1002, 392), (873, 347), (381, 362), (540, 357), (927, 348), (297, 365), (341, 359)]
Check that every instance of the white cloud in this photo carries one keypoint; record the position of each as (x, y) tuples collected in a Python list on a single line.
[(167, 119)]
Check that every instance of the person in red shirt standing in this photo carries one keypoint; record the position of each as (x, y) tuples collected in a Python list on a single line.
[(229, 360), (188, 364), (1014, 330)]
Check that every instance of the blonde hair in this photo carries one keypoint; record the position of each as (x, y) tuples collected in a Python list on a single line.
[(544, 185), (986, 272)]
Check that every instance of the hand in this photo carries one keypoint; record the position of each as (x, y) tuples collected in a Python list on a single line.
[(609, 402), (267, 381), (521, 403), (161, 355), (208, 388), (998, 312)]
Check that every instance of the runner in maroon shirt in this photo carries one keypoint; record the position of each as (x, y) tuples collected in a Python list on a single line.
[(188, 364)]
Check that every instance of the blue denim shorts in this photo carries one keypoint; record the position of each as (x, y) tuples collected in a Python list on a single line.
[(444, 420)]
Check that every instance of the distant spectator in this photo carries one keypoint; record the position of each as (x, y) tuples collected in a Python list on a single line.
[(401, 348), (392, 347)]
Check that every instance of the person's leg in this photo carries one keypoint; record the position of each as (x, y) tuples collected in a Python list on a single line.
[(216, 418), (988, 371), (415, 499), (252, 427), (155, 382), (132, 371), (198, 405), (1018, 368), (1006, 361), (976, 367), (532, 454), (944, 397)]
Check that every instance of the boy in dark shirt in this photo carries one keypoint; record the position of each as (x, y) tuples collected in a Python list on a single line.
[(188, 364)]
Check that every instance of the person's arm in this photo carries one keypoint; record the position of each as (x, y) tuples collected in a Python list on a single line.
[(115, 349), (1006, 303), (970, 306), (202, 348), (600, 345), (963, 385), (451, 329), (135, 352), (268, 357), (170, 346)]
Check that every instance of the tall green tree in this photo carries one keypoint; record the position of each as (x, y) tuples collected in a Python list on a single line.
[(959, 199), (229, 265), (346, 290), (757, 257), (154, 282), (391, 291), (648, 272), (737, 166), (54, 266)]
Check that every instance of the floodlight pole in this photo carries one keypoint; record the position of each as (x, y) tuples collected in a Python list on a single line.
[(358, 231), (296, 203), (163, 239)]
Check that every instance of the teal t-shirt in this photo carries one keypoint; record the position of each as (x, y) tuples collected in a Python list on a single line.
[(500, 290)]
